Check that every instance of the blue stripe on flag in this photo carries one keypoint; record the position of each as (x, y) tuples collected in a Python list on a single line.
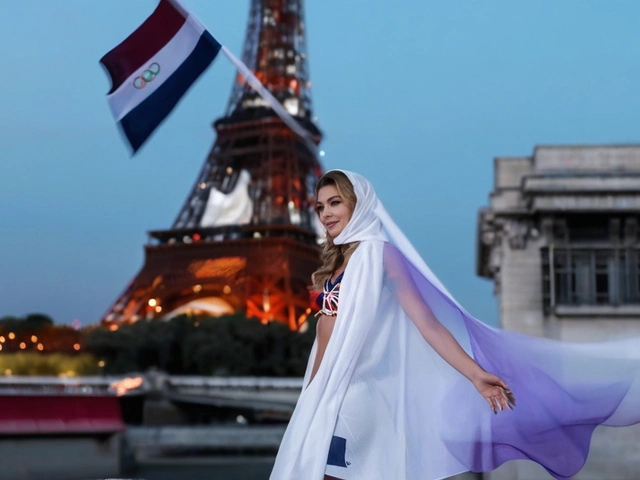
[(140, 122)]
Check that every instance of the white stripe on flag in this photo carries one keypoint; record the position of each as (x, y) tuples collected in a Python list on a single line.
[(169, 58)]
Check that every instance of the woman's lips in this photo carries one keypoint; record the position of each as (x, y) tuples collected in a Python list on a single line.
[(331, 224)]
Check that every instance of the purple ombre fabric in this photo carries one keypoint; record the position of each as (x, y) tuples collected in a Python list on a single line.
[(563, 392)]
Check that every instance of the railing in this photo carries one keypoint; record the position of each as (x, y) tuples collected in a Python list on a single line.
[(257, 392), (233, 232), (256, 383), (90, 386)]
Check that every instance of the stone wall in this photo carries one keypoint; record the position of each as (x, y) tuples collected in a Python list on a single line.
[(529, 192)]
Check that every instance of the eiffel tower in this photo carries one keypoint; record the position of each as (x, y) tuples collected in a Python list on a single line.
[(245, 239)]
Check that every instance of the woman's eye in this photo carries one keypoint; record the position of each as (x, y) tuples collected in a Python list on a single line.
[(334, 203), (319, 209)]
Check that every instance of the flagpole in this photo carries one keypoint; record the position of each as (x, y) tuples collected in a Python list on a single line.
[(273, 102), (257, 85)]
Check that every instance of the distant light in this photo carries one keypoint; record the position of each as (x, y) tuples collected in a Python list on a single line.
[(0, 347), (158, 309), (322, 153), (186, 239), (241, 419), (229, 170), (2, 339), (123, 386), (266, 302), (101, 363), (113, 328), (196, 324), (203, 186), (7, 371), (40, 347), (71, 373), (153, 302), (12, 335), (197, 288), (257, 235), (292, 106), (227, 289), (23, 345), (196, 237), (308, 311), (76, 346), (34, 339)]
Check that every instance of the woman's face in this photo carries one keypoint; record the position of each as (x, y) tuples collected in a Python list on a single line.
[(332, 210)]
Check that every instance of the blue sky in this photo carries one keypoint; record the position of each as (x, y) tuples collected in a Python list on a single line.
[(419, 96)]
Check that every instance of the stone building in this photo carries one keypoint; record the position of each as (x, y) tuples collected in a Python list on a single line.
[(560, 240)]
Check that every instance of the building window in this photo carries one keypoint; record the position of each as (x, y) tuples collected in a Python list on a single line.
[(582, 275)]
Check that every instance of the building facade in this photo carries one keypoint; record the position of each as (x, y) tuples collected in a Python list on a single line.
[(560, 240)]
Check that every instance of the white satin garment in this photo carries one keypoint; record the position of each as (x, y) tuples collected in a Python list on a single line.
[(421, 419)]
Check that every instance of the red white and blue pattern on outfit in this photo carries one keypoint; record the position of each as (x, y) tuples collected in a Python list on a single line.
[(327, 301)]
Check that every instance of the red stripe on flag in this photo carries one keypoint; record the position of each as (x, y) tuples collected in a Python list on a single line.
[(141, 45)]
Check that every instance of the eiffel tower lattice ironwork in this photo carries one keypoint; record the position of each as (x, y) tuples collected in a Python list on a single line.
[(245, 239)]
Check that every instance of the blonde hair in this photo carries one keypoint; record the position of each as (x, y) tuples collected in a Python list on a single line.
[(333, 255)]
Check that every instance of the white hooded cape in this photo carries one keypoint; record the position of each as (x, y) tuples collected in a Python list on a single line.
[(429, 421)]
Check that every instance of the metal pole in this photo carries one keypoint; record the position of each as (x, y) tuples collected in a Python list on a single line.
[(552, 278)]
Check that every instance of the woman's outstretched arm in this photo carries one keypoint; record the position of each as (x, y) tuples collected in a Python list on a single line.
[(492, 388)]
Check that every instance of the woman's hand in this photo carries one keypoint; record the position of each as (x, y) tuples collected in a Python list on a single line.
[(494, 391)]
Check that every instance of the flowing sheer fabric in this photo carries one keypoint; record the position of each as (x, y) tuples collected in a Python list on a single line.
[(423, 419)]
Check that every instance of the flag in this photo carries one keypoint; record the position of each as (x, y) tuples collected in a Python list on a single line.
[(154, 67)]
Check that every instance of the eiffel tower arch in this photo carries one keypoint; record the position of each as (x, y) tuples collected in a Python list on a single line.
[(245, 239)]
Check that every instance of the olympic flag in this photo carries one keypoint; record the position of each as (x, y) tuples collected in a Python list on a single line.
[(154, 67)]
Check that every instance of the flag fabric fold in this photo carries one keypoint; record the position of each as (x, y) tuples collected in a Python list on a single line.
[(154, 67)]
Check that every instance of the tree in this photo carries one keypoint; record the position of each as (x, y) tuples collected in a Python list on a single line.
[(202, 345)]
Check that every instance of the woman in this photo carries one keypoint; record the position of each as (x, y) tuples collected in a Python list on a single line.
[(391, 389)]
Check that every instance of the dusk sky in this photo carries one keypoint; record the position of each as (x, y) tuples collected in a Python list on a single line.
[(419, 96)]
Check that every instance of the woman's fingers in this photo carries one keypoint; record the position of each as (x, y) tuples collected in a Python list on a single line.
[(510, 397), (500, 399), (498, 395), (505, 399), (491, 405), (497, 403)]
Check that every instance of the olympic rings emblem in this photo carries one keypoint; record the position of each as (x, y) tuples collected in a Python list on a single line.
[(147, 76)]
